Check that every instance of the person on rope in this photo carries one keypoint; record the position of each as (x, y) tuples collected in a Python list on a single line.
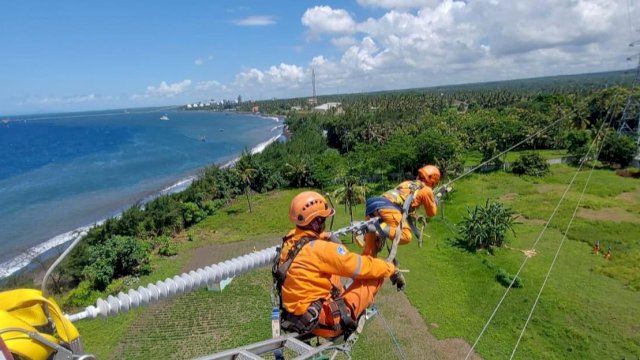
[(308, 270), (390, 206)]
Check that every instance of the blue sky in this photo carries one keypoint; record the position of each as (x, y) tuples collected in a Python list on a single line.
[(79, 55)]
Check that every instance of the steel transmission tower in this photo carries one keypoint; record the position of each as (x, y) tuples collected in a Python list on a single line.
[(630, 121), (314, 99)]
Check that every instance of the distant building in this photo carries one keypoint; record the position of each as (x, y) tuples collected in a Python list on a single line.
[(239, 99), (189, 106), (255, 108), (327, 106), (296, 108)]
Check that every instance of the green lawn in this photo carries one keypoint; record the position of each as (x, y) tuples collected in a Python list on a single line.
[(589, 308), (475, 157)]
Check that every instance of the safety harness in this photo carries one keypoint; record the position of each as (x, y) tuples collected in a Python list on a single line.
[(397, 199), (307, 322)]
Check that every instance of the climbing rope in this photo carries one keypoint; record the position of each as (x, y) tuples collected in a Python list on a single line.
[(555, 210), (564, 237), (393, 336)]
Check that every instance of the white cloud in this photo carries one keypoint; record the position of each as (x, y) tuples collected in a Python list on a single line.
[(164, 90), (365, 56), (394, 4), (203, 60), (424, 43), (68, 99), (210, 84), (256, 21), (343, 42), (324, 19), (282, 75)]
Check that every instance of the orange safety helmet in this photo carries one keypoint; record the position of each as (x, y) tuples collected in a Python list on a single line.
[(307, 206), (429, 175)]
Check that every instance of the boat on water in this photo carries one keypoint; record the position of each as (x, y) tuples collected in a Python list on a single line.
[(221, 129), (164, 117)]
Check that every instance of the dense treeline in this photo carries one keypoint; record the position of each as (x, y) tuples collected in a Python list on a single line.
[(379, 137), (436, 99)]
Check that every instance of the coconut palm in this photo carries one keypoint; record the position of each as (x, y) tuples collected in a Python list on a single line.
[(246, 174), (350, 193), (298, 172)]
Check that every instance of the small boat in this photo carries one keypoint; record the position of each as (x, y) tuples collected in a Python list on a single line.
[(164, 117), (221, 129), (203, 138)]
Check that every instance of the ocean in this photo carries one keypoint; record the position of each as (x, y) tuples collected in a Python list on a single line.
[(63, 173)]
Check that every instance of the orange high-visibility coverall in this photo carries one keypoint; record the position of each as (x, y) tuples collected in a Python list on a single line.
[(392, 217), (317, 268)]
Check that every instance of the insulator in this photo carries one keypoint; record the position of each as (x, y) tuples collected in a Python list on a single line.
[(179, 284)]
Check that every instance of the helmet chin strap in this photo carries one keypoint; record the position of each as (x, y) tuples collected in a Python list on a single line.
[(316, 225)]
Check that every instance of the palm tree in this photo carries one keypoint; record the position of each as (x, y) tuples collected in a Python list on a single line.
[(246, 174), (350, 194), (298, 172)]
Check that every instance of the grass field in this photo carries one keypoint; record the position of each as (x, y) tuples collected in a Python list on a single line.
[(589, 307), (474, 158)]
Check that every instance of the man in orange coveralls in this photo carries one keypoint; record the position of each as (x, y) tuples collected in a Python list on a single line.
[(308, 273), (389, 207)]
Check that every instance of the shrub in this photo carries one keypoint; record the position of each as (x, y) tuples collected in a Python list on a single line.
[(81, 295), (617, 149), (117, 257), (486, 226), (577, 143), (192, 214), (211, 206), (165, 246), (505, 279), (530, 164)]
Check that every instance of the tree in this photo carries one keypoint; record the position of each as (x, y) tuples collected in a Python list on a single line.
[(350, 194), (246, 175), (117, 257), (486, 226), (326, 166), (401, 152), (435, 146), (298, 172), (530, 164), (617, 149), (577, 143)]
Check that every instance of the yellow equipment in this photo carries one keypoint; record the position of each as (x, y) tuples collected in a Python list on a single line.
[(34, 327)]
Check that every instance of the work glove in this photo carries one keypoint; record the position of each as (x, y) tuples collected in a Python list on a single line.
[(398, 280)]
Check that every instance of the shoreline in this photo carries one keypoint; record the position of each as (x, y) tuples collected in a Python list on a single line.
[(28, 260)]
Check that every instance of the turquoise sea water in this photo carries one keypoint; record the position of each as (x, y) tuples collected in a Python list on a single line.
[(63, 172)]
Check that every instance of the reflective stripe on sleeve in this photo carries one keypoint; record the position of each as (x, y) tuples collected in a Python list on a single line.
[(355, 273)]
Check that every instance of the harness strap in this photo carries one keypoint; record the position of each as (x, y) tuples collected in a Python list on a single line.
[(280, 270), (346, 320)]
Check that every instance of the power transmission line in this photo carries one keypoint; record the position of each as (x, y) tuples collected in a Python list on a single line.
[(555, 210)]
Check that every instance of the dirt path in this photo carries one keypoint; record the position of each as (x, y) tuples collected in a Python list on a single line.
[(199, 323), (211, 254), (609, 214), (411, 332)]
